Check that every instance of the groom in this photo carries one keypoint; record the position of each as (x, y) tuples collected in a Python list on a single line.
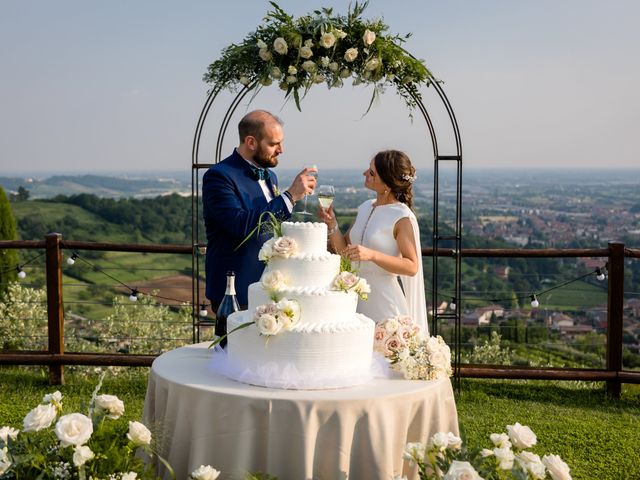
[(235, 193)]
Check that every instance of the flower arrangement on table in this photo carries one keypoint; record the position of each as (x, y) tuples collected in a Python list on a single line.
[(402, 343), (444, 457), (317, 48), (81, 446)]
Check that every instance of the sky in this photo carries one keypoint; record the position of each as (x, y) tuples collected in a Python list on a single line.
[(88, 86)]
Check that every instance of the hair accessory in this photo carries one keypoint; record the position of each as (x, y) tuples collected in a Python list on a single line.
[(409, 178)]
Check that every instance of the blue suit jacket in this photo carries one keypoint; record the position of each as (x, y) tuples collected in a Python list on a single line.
[(232, 204)]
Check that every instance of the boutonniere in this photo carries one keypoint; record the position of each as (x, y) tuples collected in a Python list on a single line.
[(276, 192)]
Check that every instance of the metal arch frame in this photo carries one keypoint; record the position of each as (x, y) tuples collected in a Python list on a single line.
[(437, 237)]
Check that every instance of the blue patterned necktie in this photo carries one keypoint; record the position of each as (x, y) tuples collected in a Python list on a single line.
[(260, 173)]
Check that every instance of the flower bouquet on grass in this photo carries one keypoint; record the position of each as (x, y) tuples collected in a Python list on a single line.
[(87, 446), (444, 457), (417, 357)]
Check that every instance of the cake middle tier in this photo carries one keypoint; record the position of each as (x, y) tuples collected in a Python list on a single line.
[(306, 270), (318, 306)]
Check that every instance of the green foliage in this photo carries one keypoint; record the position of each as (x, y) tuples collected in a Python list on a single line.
[(490, 352), (8, 256)]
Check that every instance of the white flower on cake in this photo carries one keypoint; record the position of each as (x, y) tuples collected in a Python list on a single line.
[(289, 313), (272, 318), (273, 281), (268, 324), (401, 342), (266, 251)]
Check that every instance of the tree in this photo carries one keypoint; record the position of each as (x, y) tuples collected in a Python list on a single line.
[(23, 194), (8, 256)]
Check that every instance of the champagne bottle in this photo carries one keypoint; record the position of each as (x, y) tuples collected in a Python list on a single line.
[(228, 305)]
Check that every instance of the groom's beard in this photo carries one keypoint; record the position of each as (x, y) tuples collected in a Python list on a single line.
[(264, 160)]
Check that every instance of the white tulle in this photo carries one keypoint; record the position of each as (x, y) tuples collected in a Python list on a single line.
[(271, 376)]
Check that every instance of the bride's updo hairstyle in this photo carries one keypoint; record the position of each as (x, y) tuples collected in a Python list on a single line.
[(396, 171)]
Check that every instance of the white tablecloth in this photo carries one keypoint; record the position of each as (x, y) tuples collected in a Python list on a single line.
[(202, 418)]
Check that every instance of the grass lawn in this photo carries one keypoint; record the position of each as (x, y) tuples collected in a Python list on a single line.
[(597, 436)]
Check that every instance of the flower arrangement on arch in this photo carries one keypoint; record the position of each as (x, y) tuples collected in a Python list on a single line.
[(445, 457), (402, 343), (321, 47)]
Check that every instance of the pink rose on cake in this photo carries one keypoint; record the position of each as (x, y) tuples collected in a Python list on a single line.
[(347, 281), (285, 247), (273, 318)]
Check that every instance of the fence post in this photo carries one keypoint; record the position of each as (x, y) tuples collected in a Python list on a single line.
[(615, 306), (55, 308)]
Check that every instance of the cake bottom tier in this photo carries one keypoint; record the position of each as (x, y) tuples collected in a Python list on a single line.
[(301, 359)]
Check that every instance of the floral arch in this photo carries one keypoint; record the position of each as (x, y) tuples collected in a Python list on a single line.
[(298, 53)]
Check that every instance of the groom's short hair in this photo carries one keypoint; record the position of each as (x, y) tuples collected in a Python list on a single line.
[(253, 124)]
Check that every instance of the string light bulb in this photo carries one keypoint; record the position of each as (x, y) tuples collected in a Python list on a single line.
[(21, 272), (203, 310), (134, 295), (600, 274), (534, 301), (72, 259), (453, 305)]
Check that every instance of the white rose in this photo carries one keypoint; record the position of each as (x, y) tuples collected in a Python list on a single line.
[(362, 287), (414, 451), (129, 476), (280, 46), (309, 66), (276, 73), (521, 436), (269, 308), (112, 405), (244, 80), (205, 472), (292, 70), (500, 440), (351, 54), (266, 251), (308, 43), (369, 37), (265, 54), (486, 453), (454, 441), (52, 397), (7, 433), (340, 34), (461, 471), (345, 73), (440, 441), (333, 66), (268, 324), (261, 44), (327, 40), (81, 455), (285, 247), (317, 78), (345, 281), (274, 280), (291, 309), (139, 434), (39, 418), (556, 467), (391, 325), (306, 52), (324, 61), (292, 79), (505, 457), (266, 81), (73, 429), (531, 463), (372, 64), (5, 463)]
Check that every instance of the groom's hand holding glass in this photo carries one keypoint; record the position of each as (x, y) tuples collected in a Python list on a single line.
[(304, 184)]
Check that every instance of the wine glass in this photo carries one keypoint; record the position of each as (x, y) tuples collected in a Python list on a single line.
[(304, 209), (326, 194)]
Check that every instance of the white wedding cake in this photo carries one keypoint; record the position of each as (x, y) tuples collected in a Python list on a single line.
[(304, 332)]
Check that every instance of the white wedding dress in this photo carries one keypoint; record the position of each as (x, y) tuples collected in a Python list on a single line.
[(373, 228)]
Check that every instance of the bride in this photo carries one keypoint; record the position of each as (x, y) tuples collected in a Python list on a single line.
[(384, 241)]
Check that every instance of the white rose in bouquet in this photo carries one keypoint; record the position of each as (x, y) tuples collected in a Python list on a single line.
[(372, 64), (309, 66), (369, 37), (7, 433), (333, 66), (461, 471), (274, 281), (306, 52), (391, 325), (81, 455), (139, 434), (556, 467), (261, 44), (521, 436), (280, 46), (340, 34), (265, 54), (73, 429), (268, 324), (39, 418), (345, 73), (327, 40), (285, 247), (325, 61), (351, 54), (276, 73), (204, 472), (111, 405), (244, 80), (292, 70)]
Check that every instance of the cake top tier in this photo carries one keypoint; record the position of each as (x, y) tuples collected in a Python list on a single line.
[(311, 238)]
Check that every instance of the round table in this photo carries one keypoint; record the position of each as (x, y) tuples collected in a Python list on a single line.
[(202, 418)]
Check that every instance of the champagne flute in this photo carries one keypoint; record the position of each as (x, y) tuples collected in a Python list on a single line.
[(304, 209), (326, 194)]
